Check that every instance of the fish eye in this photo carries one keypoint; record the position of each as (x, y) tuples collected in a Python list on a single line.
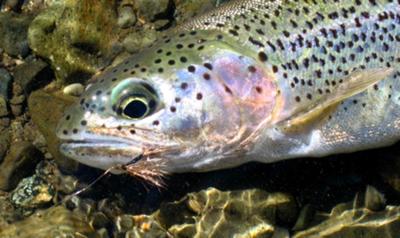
[(135, 107), (134, 100)]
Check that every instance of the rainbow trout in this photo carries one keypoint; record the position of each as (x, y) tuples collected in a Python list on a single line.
[(253, 80)]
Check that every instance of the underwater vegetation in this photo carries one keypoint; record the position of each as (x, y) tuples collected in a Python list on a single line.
[(51, 49)]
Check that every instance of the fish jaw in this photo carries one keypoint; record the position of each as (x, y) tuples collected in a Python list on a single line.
[(108, 154)]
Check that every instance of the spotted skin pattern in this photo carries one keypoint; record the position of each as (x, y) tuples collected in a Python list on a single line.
[(225, 83)]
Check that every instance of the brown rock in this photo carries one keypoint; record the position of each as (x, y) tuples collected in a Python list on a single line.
[(85, 31), (18, 163), (46, 109), (53, 222)]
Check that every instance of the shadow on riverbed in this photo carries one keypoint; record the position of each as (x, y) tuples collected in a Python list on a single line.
[(321, 182)]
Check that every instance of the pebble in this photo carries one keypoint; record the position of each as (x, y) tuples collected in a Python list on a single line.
[(99, 220), (5, 122), (75, 89), (17, 130), (16, 100), (102, 233), (68, 185), (87, 206), (5, 83), (3, 107), (124, 223), (17, 110), (126, 16), (16, 105), (31, 193)]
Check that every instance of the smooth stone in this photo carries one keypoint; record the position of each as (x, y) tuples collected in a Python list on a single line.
[(5, 83), (99, 220), (102, 233), (124, 223), (75, 89), (13, 33), (39, 104), (126, 16), (20, 162), (3, 107), (4, 142)]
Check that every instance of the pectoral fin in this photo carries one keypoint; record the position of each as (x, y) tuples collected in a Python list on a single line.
[(353, 84)]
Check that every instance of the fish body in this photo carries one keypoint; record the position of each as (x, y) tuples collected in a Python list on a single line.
[(251, 81)]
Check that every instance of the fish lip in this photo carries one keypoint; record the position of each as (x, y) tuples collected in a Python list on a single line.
[(91, 142), (98, 146)]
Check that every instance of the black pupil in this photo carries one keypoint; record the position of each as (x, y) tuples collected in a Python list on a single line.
[(135, 109)]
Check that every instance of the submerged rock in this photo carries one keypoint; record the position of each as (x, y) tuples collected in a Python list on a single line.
[(75, 89), (5, 138), (78, 37), (5, 83), (13, 33), (31, 193), (214, 213), (46, 110), (19, 163), (53, 222), (3, 107), (149, 10), (126, 16), (32, 74), (353, 220), (358, 223)]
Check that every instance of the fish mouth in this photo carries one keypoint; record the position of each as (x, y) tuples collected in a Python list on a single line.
[(100, 152), (96, 147), (97, 142)]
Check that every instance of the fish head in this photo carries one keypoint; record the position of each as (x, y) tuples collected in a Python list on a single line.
[(184, 112)]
